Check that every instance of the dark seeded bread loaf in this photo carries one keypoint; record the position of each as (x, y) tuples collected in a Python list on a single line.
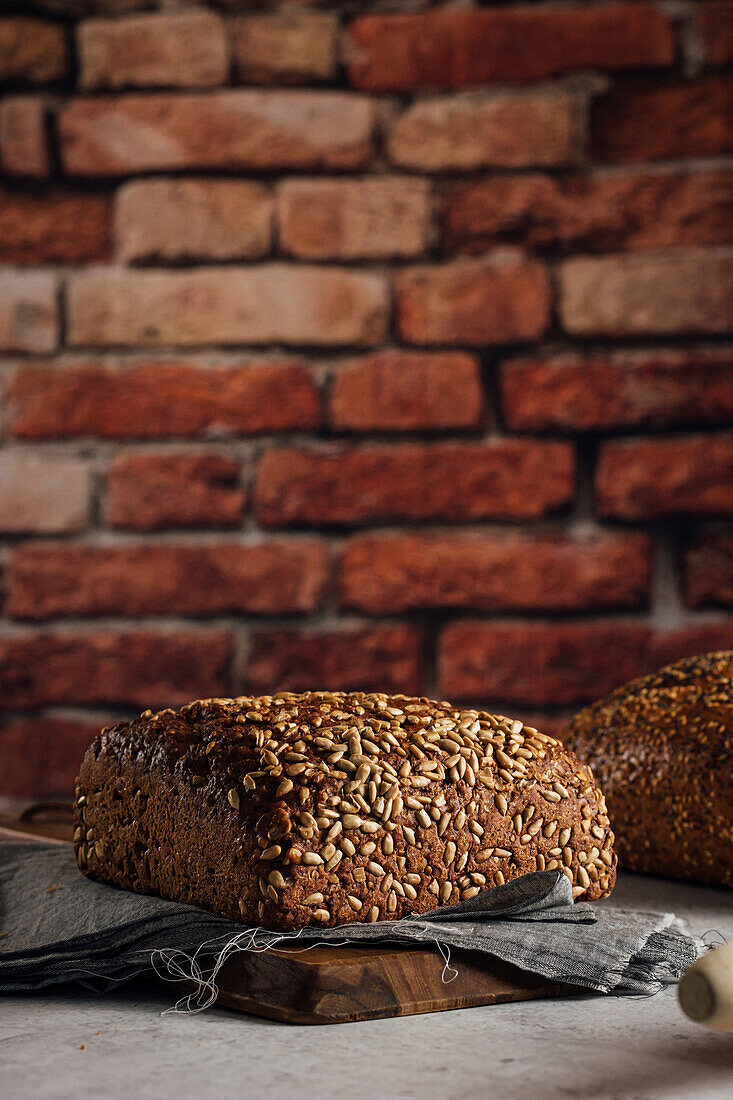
[(289, 810), (662, 749)]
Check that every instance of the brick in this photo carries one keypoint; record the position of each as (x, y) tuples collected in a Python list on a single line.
[(244, 128), (651, 478), (714, 28), (656, 123), (32, 50), (708, 570), (41, 754), (273, 303), (29, 318), (504, 479), (162, 49), (56, 227), (407, 391), (267, 578), (149, 399), (654, 293), (687, 641), (379, 217), (383, 658), (23, 138), (588, 212), (138, 668), (187, 219), (602, 391), (447, 49), (286, 48), (386, 574), (538, 664), (153, 491), (489, 129), (43, 493), (500, 298)]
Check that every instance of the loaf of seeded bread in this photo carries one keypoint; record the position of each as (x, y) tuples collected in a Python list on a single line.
[(289, 810), (662, 749)]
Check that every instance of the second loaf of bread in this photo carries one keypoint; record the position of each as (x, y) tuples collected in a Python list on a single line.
[(291, 810), (663, 748)]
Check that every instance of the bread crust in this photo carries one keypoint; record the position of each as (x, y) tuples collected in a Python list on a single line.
[(662, 749), (329, 808)]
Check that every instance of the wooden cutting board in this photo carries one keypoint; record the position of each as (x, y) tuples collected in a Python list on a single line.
[(333, 985)]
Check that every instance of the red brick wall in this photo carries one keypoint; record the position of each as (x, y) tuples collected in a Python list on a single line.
[(349, 348)]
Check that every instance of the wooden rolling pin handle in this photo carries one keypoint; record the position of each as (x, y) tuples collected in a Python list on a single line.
[(705, 991)]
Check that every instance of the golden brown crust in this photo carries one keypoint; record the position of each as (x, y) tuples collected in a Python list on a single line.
[(323, 807), (662, 749)]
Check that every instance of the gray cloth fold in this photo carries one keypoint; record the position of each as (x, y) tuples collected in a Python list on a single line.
[(57, 926)]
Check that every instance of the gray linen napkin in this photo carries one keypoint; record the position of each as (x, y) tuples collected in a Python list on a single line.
[(57, 926)]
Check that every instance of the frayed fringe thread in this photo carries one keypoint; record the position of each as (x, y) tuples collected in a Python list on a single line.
[(181, 967)]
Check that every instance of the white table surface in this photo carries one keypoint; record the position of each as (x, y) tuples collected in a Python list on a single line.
[(599, 1047)]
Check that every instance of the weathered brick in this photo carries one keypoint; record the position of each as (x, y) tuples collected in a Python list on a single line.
[(48, 579), (23, 138), (382, 658), (648, 478), (497, 299), (714, 28), (538, 664), (655, 293), (600, 391), (187, 219), (511, 479), (385, 574), (589, 212), (447, 49), (32, 50), (41, 754), (59, 226), (483, 129), (377, 217), (43, 493), (274, 303), (247, 128), (137, 667), (285, 48), (656, 123), (153, 491), (29, 318), (149, 399), (560, 663), (708, 570), (406, 391), (161, 49), (687, 641)]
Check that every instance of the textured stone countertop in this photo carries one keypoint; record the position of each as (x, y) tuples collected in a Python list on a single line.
[(576, 1047)]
